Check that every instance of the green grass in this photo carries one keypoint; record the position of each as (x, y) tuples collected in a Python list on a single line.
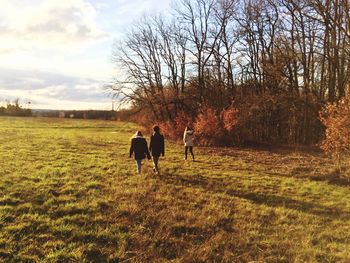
[(69, 193)]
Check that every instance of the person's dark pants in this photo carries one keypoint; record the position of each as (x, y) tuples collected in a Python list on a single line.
[(155, 163), (191, 151), (138, 165)]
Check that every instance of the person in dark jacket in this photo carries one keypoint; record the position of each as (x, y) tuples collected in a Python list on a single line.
[(156, 147), (139, 148)]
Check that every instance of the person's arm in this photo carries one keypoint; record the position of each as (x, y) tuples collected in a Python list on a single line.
[(185, 137), (131, 151), (162, 145), (146, 150), (151, 144)]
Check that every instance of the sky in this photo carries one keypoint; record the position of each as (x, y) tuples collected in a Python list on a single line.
[(57, 54)]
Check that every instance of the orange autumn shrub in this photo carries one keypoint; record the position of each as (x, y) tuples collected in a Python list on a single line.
[(168, 130), (145, 120), (208, 128), (336, 119), (182, 120), (230, 118), (174, 130)]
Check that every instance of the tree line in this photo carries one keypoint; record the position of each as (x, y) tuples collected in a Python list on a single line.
[(79, 114), (14, 109), (246, 70)]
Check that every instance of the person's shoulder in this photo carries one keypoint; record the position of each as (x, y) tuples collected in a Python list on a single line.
[(138, 139), (157, 135)]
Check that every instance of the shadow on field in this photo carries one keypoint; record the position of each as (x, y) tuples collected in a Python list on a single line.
[(224, 187), (332, 177), (299, 163)]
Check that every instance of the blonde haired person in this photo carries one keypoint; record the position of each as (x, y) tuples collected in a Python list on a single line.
[(188, 139), (139, 148)]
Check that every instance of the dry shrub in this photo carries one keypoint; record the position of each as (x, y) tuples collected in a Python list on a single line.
[(181, 121), (145, 120), (336, 118), (208, 128), (279, 119), (263, 118), (174, 130), (230, 118), (168, 129), (257, 119), (231, 122)]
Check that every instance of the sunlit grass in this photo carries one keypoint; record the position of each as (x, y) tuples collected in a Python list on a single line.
[(69, 192)]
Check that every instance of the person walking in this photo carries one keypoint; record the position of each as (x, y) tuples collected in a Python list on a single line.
[(188, 139), (139, 148), (156, 147)]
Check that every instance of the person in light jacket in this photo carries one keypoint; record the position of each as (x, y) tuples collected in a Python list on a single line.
[(156, 147), (188, 139), (139, 148)]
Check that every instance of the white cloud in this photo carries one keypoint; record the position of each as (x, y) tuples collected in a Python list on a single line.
[(57, 53), (47, 23), (38, 101), (54, 91)]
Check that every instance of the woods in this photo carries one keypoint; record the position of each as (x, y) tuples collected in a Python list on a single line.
[(223, 137), (275, 64)]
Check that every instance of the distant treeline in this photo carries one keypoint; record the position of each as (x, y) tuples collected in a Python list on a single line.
[(14, 109), (78, 114)]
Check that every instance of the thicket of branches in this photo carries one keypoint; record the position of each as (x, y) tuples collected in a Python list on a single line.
[(14, 109), (263, 68), (336, 118)]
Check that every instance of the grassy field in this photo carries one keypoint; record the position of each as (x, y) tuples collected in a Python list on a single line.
[(69, 193)]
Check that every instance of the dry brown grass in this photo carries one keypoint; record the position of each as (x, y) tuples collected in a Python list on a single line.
[(70, 194)]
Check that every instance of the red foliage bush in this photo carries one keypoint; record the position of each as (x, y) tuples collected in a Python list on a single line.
[(208, 128), (182, 120), (174, 130), (230, 117), (168, 130), (336, 118), (145, 120)]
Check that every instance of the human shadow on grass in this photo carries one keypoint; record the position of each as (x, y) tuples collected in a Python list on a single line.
[(332, 177), (225, 187)]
